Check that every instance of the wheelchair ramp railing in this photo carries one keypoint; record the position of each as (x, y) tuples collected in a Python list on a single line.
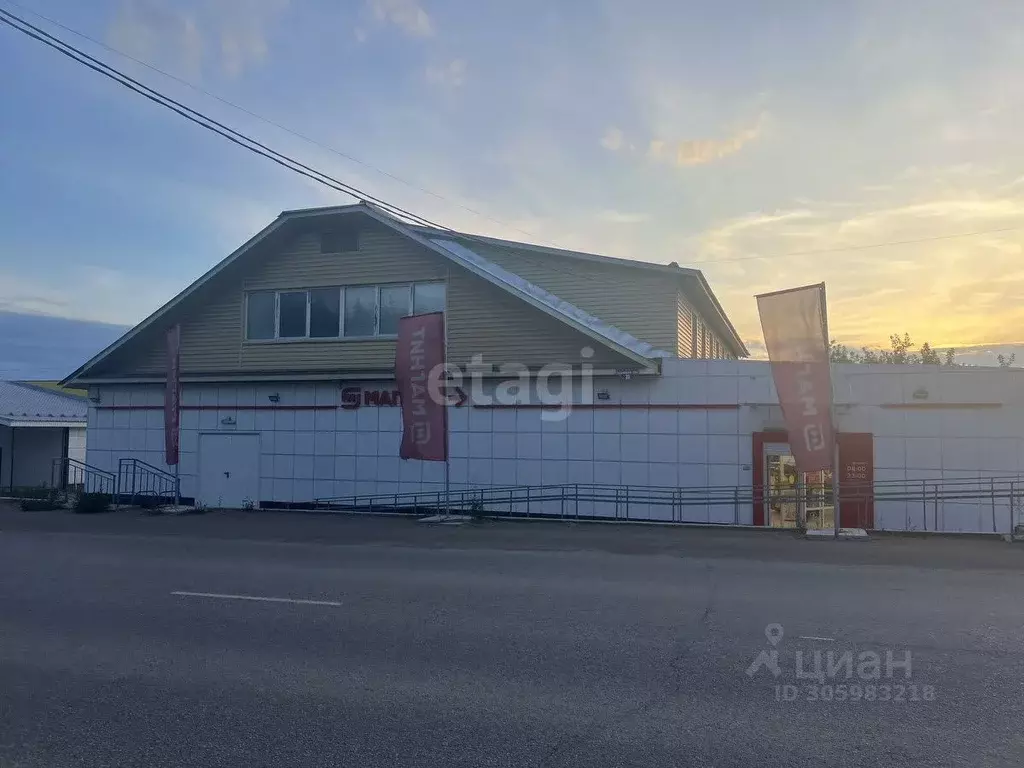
[(139, 482), (69, 476), (990, 504)]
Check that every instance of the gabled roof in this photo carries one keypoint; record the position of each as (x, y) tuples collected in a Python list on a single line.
[(693, 279), (22, 404), (643, 354), (468, 257)]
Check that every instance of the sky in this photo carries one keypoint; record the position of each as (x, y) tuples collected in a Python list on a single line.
[(770, 144)]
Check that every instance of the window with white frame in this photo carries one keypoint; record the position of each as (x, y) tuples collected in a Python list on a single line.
[(356, 311)]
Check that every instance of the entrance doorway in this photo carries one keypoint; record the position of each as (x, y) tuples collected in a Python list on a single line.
[(776, 483), (790, 496)]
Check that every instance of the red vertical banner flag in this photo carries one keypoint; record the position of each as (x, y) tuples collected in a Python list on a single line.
[(795, 334), (172, 395), (424, 418)]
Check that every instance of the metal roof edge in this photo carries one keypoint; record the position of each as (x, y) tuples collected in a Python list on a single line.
[(404, 229), (41, 423), (567, 252)]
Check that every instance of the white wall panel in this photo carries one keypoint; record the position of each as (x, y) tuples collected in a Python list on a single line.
[(579, 472), (665, 475), (503, 445), (634, 447), (692, 421), (921, 453), (635, 421), (554, 472), (693, 449), (580, 447), (723, 449), (313, 453), (663, 448), (528, 446), (554, 447)]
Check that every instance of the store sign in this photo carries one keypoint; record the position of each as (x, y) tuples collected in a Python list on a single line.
[(357, 397), (354, 397)]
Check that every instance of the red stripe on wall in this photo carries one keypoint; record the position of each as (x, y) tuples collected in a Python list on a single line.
[(622, 406), (939, 406), (221, 407), (530, 407)]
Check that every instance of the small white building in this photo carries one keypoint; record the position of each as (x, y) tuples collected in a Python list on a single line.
[(38, 425)]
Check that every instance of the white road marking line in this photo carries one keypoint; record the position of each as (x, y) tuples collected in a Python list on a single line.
[(813, 637), (258, 599)]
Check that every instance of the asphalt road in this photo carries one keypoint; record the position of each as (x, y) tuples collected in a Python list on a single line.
[(505, 644)]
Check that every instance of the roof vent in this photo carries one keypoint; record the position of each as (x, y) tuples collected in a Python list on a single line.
[(673, 263)]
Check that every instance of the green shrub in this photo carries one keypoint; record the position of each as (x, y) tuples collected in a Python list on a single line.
[(39, 505), (91, 503)]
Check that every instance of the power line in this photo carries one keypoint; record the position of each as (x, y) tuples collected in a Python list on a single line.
[(296, 166), (844, 249), (268, 121), (249, 143)]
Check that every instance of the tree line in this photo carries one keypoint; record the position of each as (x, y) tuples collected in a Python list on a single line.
[(901, 352)]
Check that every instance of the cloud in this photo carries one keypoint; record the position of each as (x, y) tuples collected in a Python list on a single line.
[(407, 15), (691, 152), (230, 35), (687, 152), (450, 75), (701, 151), (950, 291), (613, 139), (622, 217), (98, 294), (149, 30)]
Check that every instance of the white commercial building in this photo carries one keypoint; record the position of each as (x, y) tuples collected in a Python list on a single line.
[(288, 391)]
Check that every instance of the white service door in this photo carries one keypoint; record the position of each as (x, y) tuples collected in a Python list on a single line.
[(229, 469)]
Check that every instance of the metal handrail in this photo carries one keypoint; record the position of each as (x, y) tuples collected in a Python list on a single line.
[(523, 500), (145, 480), (66, 473)]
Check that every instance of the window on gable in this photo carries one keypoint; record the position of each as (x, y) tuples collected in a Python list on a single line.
[(260, 315), (395, 303), (360, 310), (357, 311), (291, 322), (428, 297), (324, 313)]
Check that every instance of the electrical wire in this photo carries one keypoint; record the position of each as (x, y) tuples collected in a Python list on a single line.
[(268, 121), (64, 47), (309, 172), (255, 146)]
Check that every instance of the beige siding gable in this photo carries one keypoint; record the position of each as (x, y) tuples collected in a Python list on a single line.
[(684, 326), (482, 318), (640, 302)]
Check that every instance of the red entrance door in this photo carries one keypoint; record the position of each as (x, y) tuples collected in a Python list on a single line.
[(856, 476)]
